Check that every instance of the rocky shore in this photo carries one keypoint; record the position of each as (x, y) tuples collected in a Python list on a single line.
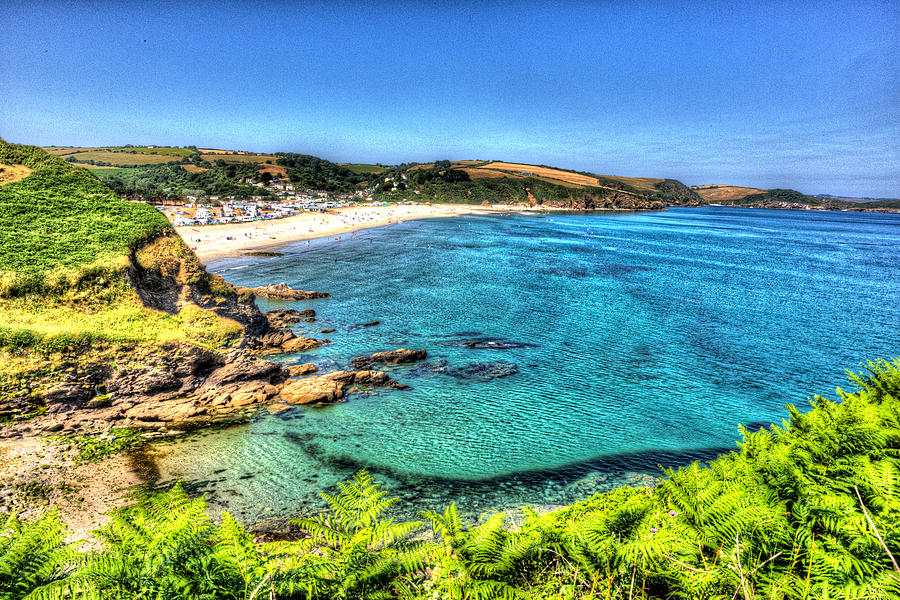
[(87, 404)]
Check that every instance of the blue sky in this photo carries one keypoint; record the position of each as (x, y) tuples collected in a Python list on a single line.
[(770, 94)]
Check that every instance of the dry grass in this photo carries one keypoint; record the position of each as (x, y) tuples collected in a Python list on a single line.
[(642, 183), (240, 158), (276, 170), (567, 184), (475, 173), (63, 151), (121, 158), (576, 178), (193, 168), (10, 173), (216, 151), (725, 192)]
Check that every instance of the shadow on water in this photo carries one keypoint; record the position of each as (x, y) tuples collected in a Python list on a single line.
[(650, 462)]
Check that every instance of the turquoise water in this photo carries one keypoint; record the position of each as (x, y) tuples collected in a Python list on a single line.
[(567, 353)]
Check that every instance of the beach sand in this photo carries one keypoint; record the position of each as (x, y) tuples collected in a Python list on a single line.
[(211, 242)]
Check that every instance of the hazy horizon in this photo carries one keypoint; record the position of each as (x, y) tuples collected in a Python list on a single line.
[(784, 95)]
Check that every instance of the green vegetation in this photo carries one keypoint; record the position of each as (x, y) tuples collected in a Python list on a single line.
[(62, 226), (94, 448), (314, 173), (219, 178), (880, 204), (779, 195), (806, 510), (66, 248), (363, 169)]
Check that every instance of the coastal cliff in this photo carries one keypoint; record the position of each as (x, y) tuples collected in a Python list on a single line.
[(109, 320)]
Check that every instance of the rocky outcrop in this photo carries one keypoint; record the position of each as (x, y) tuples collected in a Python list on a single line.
[(167, 276), (330, 388), (402, 355), (174, 383), (158, 385), (281, 341), (301, 370), (281, 291), (285, 317)]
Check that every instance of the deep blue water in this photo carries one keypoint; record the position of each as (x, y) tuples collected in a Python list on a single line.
[(638, 339)]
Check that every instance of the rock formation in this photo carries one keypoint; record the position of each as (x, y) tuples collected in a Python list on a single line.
[(330, 388), (401, 355), (281, 291)]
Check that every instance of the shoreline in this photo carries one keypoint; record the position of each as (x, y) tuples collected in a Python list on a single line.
[(215, 242)]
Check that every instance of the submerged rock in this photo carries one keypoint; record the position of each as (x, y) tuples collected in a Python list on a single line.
[(492, 343), (484, 371), (489, 370), (363, 325)]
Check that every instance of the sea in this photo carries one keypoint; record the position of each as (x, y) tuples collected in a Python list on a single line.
[(568, 353)]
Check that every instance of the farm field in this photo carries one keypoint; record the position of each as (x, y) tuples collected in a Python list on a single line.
[(716, 193), (239, 158), (642, 183), (162, 151), (217, 151), (475, 173), (64, 150), (119, 158), (557, 174), (363, 168)]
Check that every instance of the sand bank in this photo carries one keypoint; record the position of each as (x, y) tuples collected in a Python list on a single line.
[(212, 242)]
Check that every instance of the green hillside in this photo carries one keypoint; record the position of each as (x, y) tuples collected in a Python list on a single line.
[(466, 181), (67, 245), (780, 195), (880, 204), (61, 224), (472, 182)]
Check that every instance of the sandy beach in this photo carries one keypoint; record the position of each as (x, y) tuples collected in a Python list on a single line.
[(212, 242)]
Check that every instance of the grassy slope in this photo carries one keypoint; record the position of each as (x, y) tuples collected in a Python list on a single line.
[(62, 217), (725, 193), (65, 245)]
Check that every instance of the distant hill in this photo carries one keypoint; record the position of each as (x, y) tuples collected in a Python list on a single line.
[(149, 172), (733, 195), (856, 200), (500, 182), (724, 194)]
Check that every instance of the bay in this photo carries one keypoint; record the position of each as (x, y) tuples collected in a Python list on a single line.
[(567, 353)]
